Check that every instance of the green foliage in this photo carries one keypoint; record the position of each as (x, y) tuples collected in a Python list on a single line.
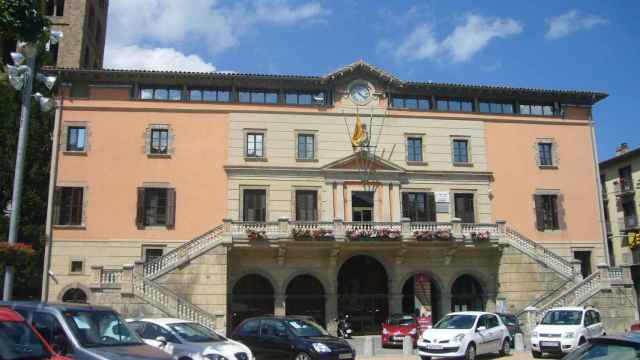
[(22, 19)]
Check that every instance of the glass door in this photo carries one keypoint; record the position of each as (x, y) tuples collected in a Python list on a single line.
[(362, 206)]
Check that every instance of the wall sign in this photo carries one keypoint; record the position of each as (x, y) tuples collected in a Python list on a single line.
[(441, 196)]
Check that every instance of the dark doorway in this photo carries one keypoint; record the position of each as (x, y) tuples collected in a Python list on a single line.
[(305, 296), (362, 206), (421, 297), (585, 262), (251, 296), (363, 293), (467, 294), (74, 296), (464, 207), (254, 205)]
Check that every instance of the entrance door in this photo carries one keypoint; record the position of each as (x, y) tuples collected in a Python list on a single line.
[(585, 262), (362, 206), (464, 207)]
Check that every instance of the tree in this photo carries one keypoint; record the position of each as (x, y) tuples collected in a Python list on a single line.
[(23, 19)]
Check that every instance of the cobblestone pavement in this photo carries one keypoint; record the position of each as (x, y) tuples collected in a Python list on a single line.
[(514, 356)]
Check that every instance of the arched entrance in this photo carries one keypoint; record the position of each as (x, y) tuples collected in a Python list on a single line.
[(305, 296), (421, 297), (363, 293), (467, 294), (74, 295), (252, 295)]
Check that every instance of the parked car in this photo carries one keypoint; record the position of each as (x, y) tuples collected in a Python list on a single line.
[(20, 340), (290, 337), (465, 334), (188, 340), (86, 332), (512, 323), (397, 327), (624, 347), (635, 327), (564, 329)]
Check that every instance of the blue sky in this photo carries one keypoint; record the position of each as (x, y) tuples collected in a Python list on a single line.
[(584, 45)]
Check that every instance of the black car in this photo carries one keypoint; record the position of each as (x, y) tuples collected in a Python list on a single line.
[(621, 347), (512, 323), (290, 337)]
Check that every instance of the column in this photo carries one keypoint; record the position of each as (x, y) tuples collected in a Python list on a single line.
[(331, 312), (386, 203), (327, 196), (279, 304), (395, 202), (395, 303), (445, 303), (339, 200)]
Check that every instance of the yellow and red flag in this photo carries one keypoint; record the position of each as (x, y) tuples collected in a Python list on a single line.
[(359, 136)]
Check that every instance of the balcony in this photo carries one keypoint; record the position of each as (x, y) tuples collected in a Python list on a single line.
[(629, 222), (623, 186)]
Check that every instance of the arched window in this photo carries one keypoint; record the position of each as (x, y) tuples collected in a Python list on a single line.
[(75, 295)]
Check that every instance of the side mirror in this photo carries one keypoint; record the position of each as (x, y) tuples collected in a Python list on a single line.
[(481, 328), (162, 340)]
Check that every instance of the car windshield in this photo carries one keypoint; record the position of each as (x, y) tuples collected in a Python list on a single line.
[(605, 352), (562, 317), (100, 328), (509, 320), (305, 328), (456, 321), (18, 342), (193, 332), (398, 320)]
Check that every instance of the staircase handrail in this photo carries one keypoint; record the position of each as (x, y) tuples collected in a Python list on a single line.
[(548, 258), (593, 281)]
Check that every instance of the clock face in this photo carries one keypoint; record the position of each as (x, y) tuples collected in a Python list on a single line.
[(359, 93)]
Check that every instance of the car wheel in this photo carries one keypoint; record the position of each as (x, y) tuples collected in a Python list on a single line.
[(506, 347), (470, 353), (536, 354), (302, 356)]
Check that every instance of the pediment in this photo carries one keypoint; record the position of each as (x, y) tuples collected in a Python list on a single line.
[(363, 69), (354, 162)]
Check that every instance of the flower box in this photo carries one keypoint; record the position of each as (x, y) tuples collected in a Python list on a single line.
[(428, 235), (381, 234), (480, 236), (15, 255), (256, 235), (312, 235)]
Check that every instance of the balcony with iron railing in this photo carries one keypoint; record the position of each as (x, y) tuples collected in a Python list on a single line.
[(628, 222), (624, 186)]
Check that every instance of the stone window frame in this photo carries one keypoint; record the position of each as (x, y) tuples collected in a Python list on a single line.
[(77, 259), (85, 200), (555, 157), (559, 209), (467, 138), (452, 201), (170, 141), (245, 134), (158, 185), (422, 137), (297, 133), (65, 136), (317, 189), (266, 188), (144, 247)]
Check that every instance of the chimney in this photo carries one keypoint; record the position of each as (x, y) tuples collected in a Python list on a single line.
[(622, 149)]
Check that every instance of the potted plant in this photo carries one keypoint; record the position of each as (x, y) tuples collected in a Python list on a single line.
[(256, 235), (480, 236), (427, 235), (382, 234)]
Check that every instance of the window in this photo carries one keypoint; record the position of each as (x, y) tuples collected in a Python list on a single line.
[(54, 8), (69, 205), (537, 109), (156, 207), (492, 321), (411, 102), (255, 145), (250, 328), (258, 96), (51, 330), (159, 141), (272, 328), (305, 98), (546, 154), (496, 107), (306, 205), (152, 253), (460, 151), (547, 212), (414, 148), (625, 179), (458, 105), (210, 95), (153, 331), (77, 266), (306, 147), (463, 207), (160, 93), (76, 136), (419, 206), (254, 205)]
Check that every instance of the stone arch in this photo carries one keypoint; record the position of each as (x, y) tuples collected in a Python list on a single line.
[(306, 295), (428, 302), (388, 268), (486, 281), (468, 293), (326, 285), (251, 295), (75, 286), (237, 276)]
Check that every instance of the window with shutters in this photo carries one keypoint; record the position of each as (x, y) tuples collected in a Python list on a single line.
[(464, 207), (156, 207), (254, 205), (69, 206), (306, 205), (547, 217), (419, 206)]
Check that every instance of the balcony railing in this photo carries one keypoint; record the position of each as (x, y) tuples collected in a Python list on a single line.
[(628, 222), (623, 186)]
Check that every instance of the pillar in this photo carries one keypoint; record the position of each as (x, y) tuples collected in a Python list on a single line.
[(339, 200), (395, 303), (386, 203), (279, 304), (445, 302), (331, 312), (395, 201), (327, 210)]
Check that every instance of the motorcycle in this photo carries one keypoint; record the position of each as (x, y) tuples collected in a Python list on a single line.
[(345, 330)]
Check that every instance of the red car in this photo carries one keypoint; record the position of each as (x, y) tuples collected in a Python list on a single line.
[(20, 340), (397, 327), (635, 327)]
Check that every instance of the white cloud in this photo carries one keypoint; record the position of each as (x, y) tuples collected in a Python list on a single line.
[(161, 25), (168, 59), (570, 22), (460, 45)]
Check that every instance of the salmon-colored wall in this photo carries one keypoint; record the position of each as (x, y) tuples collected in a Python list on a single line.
[(116, 165), (511, 152), (109, 93)]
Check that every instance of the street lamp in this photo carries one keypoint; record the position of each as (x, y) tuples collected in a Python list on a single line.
[(21, 78)]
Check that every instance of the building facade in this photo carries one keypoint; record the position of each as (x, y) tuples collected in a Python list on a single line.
[(221, 196)]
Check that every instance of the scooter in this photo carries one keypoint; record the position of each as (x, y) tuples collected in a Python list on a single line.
[(345, 330)]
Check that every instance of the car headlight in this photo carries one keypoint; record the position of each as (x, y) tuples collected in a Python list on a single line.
[(569, 335), (413, 331), (385, 331), (534, 334), (321, 348), (458, 338), (215, 357)]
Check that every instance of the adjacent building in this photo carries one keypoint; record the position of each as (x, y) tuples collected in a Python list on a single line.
[(217, 196)]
